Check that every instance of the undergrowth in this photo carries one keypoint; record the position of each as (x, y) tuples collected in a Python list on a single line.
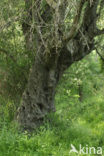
[(74, 122)]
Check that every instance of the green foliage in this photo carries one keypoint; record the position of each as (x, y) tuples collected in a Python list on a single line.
[(74, 122), (7, 110), (15, 61), (101, 65)]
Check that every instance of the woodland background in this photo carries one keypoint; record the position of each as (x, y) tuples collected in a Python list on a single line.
[(79, 100)]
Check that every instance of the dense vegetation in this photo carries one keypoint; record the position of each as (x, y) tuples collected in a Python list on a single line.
[(75, 121), (79, 116)]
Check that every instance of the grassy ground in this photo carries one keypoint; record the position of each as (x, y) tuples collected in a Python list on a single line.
[(74, 123)]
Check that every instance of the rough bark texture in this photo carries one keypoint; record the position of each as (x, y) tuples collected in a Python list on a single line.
[(38, 98)]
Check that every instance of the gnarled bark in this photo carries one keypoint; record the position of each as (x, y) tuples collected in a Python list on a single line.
[(38, 98)]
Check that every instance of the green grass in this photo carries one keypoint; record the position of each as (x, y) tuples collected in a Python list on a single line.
[(74, 123)]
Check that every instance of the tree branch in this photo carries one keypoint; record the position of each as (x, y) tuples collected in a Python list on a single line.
[(101, 7), (52, 3), (99, 54), (99, 32), (90, 18), (75, 21)]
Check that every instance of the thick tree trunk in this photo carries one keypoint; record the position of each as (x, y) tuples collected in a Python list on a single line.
[(38, 98)]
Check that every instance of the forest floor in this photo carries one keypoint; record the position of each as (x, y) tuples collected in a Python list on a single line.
[(75, 123)]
